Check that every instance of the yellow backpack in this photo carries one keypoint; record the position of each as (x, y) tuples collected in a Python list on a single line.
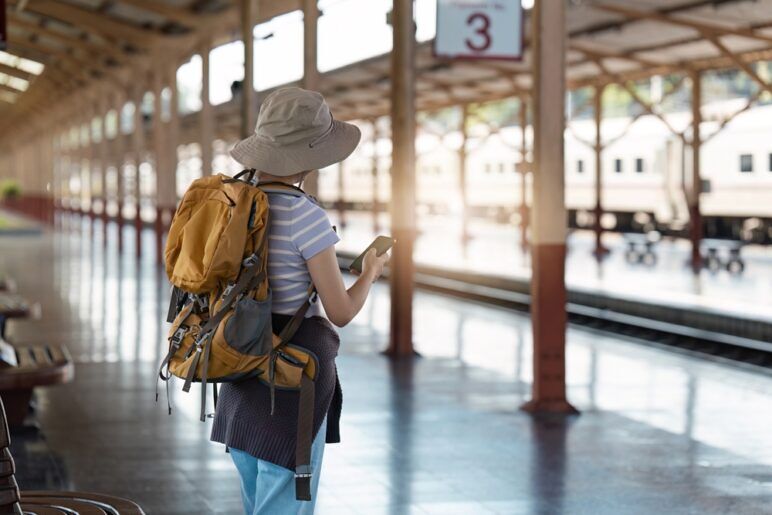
[(216, 258)]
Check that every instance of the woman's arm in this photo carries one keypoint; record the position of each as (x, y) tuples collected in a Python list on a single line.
[(342, 305)]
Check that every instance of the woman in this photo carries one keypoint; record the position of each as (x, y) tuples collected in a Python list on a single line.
[(295, 133)]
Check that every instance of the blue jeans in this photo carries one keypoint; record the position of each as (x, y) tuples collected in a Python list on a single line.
[(268, 489)]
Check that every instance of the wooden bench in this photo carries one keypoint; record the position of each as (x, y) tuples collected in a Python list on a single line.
[(82, 503), (14, 306), (34, 365), (7, 285), (14, 501)]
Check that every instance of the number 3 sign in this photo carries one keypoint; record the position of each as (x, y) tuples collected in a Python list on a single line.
[(479, 29)]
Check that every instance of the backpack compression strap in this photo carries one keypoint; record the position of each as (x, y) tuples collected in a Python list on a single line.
[(305, 432), (303, 470), (203, 345)]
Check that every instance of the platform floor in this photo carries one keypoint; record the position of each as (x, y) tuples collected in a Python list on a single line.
[(659, 432)]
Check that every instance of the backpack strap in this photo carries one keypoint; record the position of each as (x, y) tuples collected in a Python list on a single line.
[(293, 325), (249, 172), (305, 436), (248, 273), (307, 394), (282, 187)]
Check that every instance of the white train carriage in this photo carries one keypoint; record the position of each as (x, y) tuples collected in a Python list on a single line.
[(644, 170)]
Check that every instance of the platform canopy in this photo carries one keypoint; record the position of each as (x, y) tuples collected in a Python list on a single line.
[(87, 45)]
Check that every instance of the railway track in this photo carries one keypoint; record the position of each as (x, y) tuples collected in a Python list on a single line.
[(718, 336)]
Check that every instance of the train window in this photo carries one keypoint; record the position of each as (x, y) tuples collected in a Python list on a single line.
[(579, 166), (618, 165), (502, 167), (746, 163), (488, 168), (639, 165), (770, 162)]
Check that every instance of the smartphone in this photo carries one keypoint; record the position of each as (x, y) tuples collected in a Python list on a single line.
[(381, 244)]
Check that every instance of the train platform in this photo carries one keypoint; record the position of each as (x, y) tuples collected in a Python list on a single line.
[(495, 250), (735, 306), (659, 432)]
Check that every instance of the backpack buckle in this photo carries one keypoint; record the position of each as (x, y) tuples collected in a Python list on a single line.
[(227, 290), (303, 471), (201, 339), (250, 261), (178, 335), (202, 301)]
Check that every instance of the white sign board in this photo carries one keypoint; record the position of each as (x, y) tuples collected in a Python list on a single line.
[(479, 29)]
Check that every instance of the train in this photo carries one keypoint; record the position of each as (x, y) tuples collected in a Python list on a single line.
[(646, 173)]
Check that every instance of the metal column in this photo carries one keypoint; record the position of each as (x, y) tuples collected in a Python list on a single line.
[(695, 216), (600, 250), (310, 72), (248, 21), (524, 168), (139, 145), (341, 202), (403, 185), (374, 172), (207, 116), (104, 157), (462, 180), (548, 290), (120, 156)]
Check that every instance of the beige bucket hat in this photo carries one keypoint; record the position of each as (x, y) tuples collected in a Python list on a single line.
[(296, 132)]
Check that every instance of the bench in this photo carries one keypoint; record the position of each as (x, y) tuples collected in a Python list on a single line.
[(26, 367), (15, 306), (7, 285), (640, 248), (722, 254), (82, 503), (14, 501)]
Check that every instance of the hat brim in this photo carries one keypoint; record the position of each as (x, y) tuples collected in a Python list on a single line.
[(267, 156)]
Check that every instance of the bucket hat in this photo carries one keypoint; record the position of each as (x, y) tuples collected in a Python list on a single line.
[(296, 132)]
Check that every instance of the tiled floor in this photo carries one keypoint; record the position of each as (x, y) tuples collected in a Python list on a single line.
[(659, 432)]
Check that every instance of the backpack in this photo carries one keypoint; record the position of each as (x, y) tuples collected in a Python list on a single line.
[(216, 258)]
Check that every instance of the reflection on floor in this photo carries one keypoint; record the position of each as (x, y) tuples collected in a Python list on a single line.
[(659, 433)]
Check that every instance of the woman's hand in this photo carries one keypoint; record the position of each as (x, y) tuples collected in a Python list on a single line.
[(372, 264), (341, 304)]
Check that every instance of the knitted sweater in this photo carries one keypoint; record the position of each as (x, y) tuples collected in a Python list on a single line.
[(243, 417)]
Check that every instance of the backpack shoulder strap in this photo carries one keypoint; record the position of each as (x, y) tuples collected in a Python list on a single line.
[(282, 187), (287, 189)]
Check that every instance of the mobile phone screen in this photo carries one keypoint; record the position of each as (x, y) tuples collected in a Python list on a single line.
[(381, 244)]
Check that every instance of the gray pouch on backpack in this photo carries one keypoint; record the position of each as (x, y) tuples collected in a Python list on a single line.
[(250, 330)]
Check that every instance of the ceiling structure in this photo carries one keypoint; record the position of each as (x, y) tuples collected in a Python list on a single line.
[(609, 42), (90, 44), (87, 44)]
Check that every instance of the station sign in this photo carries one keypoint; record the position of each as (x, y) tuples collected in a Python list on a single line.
[(3, 27), (479, 29)]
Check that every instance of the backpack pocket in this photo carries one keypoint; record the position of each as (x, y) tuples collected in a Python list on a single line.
[(249, 330)]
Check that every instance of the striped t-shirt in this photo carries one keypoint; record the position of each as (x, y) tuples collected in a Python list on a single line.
[(298, 230)]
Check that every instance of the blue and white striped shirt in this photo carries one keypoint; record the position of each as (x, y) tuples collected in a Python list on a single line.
[(298, 230)]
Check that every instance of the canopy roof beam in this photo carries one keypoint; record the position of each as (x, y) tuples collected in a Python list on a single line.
[(43, 29), (700, 27), (106, 26), (744, 66)]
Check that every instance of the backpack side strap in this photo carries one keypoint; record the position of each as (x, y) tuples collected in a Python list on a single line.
[(305, 436)]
